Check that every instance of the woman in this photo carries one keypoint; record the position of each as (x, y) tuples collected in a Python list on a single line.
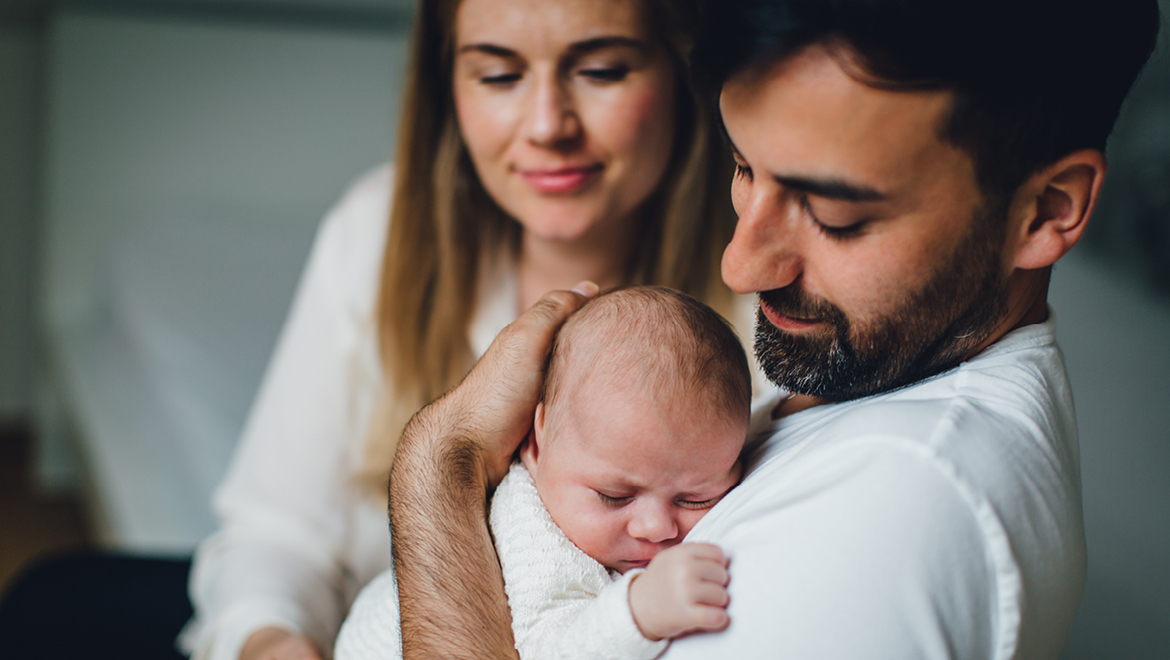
[(541, 144)]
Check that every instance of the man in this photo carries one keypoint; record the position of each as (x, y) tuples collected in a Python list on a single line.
[(908, 173)]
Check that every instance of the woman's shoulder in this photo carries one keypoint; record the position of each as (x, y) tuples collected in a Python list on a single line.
[(361, 216), (352, 238)]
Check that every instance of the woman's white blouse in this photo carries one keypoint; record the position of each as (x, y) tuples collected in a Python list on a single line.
[(298, 536)]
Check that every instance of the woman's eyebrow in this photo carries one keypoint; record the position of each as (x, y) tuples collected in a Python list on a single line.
[(576, 49), (488, 49), (599, 43)]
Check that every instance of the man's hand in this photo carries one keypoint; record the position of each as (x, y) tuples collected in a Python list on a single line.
[(684, 589), (454, 451), (495, 403), (278, 644)]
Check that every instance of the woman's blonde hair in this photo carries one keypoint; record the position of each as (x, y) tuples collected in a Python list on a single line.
[(443, 224)]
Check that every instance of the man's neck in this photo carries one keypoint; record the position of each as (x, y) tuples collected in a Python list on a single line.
[(1027, 304), (794, 404)]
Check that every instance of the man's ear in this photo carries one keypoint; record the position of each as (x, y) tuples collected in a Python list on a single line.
[(530, 449), (1052, 208)]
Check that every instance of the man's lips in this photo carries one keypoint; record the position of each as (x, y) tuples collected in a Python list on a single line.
[(562, 179), (789, 323)]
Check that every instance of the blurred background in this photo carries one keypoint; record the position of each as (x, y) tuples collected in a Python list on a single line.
[(163, 167)]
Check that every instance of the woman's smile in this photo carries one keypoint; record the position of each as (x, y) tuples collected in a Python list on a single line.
[(563, 180)]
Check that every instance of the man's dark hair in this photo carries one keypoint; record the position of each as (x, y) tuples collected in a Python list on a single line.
[(1033, 80)]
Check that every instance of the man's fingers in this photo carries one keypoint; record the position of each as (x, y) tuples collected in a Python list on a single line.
[(556, 306)]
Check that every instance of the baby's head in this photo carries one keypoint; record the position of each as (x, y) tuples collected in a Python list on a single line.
[(644, 415)]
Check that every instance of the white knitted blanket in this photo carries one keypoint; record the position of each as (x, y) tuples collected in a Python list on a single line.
[(564, 604)]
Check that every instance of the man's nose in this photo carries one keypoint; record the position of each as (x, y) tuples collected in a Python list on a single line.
[(654, 523), (552, 118), (764, 253)]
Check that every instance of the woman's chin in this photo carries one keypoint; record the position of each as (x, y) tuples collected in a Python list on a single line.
[(554, 226)]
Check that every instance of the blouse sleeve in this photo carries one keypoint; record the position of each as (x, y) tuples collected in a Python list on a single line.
[(288, 504)]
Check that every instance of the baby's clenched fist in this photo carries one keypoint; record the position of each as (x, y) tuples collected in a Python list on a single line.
[(684, 589)]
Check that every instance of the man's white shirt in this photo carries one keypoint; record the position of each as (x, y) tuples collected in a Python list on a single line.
[(942, 520)]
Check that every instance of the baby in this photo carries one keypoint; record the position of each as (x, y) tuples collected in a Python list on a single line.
[(643, 418), (639, 433)]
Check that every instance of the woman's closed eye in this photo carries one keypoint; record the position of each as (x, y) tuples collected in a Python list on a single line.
[(604, 74), (502, 79)]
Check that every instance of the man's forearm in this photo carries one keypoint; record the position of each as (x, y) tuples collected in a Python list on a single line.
[(451, 589)]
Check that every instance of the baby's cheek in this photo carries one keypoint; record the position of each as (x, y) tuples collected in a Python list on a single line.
[(688, 519)]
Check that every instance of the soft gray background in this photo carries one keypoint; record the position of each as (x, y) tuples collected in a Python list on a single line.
[(202, 138)]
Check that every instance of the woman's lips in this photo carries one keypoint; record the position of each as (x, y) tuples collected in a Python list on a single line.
[(786, 322), (562, 180)]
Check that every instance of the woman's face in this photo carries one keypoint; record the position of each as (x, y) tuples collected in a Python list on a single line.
[(567, 110)]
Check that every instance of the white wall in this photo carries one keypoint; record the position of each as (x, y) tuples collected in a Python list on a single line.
[(20, 59), (148, 113), (1115, 342), (224, 142)]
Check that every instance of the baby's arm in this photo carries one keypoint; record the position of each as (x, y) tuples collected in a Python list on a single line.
[(684, 589)]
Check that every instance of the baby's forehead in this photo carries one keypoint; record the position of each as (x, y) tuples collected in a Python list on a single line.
[(606, 393)]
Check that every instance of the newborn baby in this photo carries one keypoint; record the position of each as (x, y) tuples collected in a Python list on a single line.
[(639, 433)]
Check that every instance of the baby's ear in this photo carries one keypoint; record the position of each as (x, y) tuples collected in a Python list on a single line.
[(530, 448)]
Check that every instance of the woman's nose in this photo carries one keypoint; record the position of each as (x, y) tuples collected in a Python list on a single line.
[(654, 524), (764, 252), (552, 118)]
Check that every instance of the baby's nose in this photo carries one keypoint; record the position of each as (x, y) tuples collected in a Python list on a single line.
[(653, 524)]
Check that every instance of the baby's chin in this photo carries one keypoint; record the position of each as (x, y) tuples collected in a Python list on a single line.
[(625, 566)]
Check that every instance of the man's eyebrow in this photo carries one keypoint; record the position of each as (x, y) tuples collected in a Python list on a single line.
[(831, 188), (836, 189), (576, 49)]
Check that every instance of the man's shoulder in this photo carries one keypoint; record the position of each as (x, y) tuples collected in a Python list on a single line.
[(959, 492)]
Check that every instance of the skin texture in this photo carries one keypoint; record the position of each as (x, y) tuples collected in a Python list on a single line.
[(279, 644), (566, 110), (455, 450)]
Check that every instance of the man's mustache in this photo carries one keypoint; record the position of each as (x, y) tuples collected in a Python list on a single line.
[(792, 301)]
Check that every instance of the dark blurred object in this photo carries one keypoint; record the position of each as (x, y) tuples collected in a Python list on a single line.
[(32, 522), (96, 605)]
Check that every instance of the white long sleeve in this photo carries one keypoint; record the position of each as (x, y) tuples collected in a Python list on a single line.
[(564, 604), (298, 537)]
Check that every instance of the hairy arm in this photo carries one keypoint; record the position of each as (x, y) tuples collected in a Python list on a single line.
[(454, 451)]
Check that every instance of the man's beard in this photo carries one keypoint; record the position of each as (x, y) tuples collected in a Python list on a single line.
[(931, 331)]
